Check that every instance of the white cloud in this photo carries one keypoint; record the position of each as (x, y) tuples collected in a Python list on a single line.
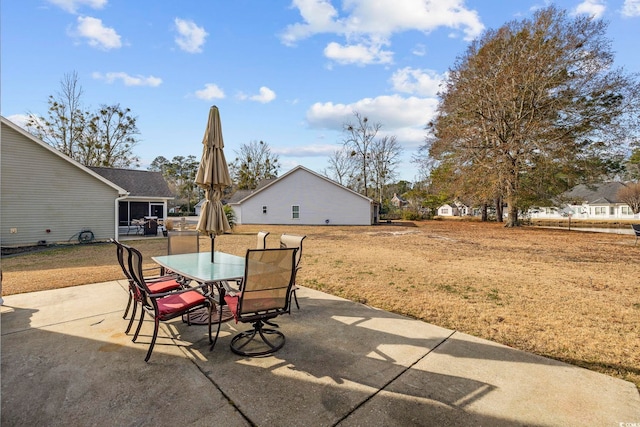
[(357, 54), (97, 34), (265, 95), (312, 150), (127, 79), (19, 119), (593, 8), (631, 8), (72, 6), (403, 117), (210, 91), (416, 81), (190, 37), (367, 24), (419, 50)]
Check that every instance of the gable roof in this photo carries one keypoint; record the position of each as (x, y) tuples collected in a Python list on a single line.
[(139, 183), (271, 182), (606, 192), (66, 158)]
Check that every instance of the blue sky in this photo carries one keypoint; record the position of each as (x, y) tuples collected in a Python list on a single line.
[(287, 72)]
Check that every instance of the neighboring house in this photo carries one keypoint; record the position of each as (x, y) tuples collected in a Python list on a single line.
[(453, 209), (303, 197), (598, 201), (148, 191), (398, 201), (47, 197)]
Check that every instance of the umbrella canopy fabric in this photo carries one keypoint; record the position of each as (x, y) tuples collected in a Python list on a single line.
[(213, 176)]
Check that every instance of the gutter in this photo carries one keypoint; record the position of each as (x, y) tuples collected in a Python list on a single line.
[(117, 211)]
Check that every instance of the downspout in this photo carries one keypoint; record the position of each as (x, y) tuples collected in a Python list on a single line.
[(117, 211)]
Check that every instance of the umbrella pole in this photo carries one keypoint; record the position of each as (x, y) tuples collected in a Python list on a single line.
[(213, 239)]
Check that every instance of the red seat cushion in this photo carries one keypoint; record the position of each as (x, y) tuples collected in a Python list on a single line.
[(163, 286), (232, 302), (179, 302)]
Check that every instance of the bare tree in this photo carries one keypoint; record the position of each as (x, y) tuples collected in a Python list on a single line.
[(630, 194), (385, 155), (534, 107), (359, 138), (110, 138), (64, 127), (254, 162), (341, 167), (105, 138)]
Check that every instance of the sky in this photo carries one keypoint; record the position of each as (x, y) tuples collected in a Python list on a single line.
[(290, 73)]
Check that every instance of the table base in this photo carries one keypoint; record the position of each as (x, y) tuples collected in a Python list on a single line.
[(200, 317)]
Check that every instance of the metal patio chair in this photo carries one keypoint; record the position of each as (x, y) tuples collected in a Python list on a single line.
[(264, 294)]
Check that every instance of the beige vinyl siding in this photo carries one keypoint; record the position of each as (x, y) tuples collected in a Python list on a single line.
[(42, 191)]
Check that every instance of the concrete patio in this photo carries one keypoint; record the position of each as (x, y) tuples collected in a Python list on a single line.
[(66, 361)]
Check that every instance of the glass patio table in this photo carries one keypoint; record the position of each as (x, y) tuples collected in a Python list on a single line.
[(198, 267)]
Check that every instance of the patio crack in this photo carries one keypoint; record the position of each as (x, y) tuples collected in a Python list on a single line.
[(388, 383), (227, 397)]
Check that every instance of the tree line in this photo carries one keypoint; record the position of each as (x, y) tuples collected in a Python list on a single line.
[(528, 111)]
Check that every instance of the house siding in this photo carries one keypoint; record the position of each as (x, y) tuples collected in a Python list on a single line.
[(41, 191), (319, 200)]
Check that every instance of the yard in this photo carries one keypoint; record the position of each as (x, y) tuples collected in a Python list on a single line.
[(569, 295)]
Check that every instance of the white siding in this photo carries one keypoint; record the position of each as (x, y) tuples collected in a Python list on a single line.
[(319, 200), (41, 191)]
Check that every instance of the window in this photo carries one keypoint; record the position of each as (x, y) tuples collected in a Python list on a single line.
[(264, 209), (445, 211), (626, 210), (295, 212), (600, 210)]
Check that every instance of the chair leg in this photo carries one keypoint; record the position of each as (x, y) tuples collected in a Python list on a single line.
[(133, 316), (126, 310), (295, 298), (213, 343), (153, 340), (135, 336)]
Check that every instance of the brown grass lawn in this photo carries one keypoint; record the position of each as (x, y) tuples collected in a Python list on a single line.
[(569, 295)]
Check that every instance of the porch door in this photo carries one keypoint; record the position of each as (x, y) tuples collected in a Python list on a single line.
[(157, 211)]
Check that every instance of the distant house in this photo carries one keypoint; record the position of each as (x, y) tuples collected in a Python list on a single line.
[(303, 197), (398, 201), (453, 209), (598, 201), (148, 191), (47, 197)]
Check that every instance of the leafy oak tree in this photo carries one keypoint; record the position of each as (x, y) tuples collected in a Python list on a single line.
[(533, 108)]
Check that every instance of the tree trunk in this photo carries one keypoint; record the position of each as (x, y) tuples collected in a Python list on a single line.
[(512, 220), (485, 212), (499, 210)]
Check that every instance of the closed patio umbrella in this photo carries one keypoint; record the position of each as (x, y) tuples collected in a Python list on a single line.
[(213, 176)]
